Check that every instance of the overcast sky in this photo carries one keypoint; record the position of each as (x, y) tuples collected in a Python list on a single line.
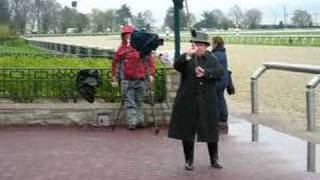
[(272, 9)]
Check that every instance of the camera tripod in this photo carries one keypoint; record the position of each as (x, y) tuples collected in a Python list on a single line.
[(148, 92), (150, 100)]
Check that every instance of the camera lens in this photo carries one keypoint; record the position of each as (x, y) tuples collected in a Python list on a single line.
[(160, 42)]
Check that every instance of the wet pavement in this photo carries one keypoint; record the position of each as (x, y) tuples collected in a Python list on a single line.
[(56, 153)]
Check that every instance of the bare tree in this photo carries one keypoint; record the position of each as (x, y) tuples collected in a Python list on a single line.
[(208, 20), (71, 18), (236, 15), (98, 21), (143, 20), (139, 21), (20, 10), (252, 18), (301, 18), (45, 14), (33, 17), (123, 15), (148, 17), (4, 11), (49, 16), (83, 22), (109, 18), (169, 19), (37, 8), (213, 19), (219, 15)]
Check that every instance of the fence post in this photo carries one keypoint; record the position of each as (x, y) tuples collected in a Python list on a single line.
[(56, 47), (254, 96), (61, 48), (78, 51), (69, 49), (254, 110), (255, 102), (311, 103), (311, 157), (89, 52), (311, 109)]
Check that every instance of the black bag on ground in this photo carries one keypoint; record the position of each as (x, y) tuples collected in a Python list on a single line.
[(230, 86), (87, 81)]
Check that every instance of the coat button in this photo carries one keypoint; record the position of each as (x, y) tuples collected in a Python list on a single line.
[(201, 83)]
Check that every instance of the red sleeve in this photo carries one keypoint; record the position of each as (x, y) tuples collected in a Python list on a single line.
[(151, 65), (115, 62)]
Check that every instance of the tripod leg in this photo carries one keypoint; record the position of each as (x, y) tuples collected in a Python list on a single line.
[(156, 128), (155, 125), (123, 88), (117, 117)]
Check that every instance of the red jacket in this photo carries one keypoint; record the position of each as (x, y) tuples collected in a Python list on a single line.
[(133, 66)]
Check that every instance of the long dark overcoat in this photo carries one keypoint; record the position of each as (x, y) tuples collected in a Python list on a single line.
[(195, 106)]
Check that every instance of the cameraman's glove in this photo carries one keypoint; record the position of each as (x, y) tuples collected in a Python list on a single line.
[(151, 79), (114, 82)]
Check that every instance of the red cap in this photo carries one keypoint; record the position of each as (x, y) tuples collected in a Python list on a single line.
[(127, 29)]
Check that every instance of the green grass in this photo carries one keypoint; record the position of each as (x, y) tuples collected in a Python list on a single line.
[(5, 31), (16, 45), (21, 49), (35, 74), (27, 78), (45, 62), (49, 62)]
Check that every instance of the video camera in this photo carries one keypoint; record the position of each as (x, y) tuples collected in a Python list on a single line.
[(145, 42)]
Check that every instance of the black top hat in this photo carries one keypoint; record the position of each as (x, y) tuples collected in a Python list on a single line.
[(200, 37)]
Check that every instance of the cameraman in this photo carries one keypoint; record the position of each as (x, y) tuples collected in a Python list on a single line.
[(132, 74)]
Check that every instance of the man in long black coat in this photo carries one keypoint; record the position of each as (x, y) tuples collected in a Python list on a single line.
[(195, 108)]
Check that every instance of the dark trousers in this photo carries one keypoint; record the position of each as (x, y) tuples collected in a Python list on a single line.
[(222, 106), (188, 149)]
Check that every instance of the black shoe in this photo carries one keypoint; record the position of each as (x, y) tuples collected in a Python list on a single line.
[(132, 127), (215, 164), (188, 166)]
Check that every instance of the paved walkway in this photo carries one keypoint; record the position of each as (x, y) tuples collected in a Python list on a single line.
[(91, 154)]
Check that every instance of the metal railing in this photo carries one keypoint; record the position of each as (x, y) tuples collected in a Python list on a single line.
[(275, 40), (72, 49), (57, 54), (266, 40), (69, 34), (27, 85), (310, 101)]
